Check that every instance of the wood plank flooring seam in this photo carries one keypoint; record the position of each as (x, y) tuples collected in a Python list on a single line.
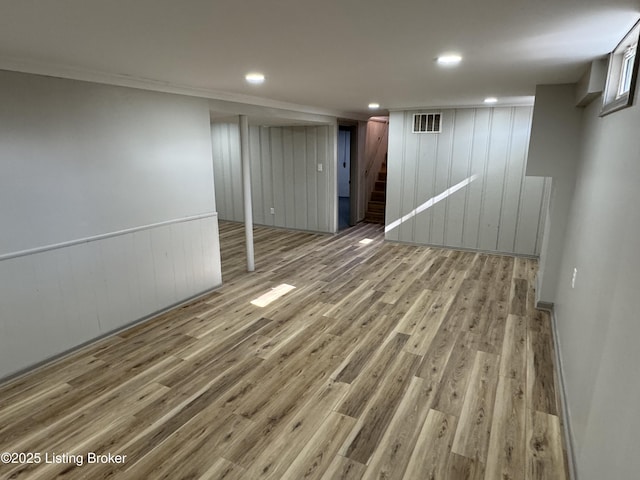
[(386, 361)]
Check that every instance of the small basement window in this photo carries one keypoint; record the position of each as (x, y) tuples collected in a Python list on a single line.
[(427, 123), (622, 74), (626, 72)]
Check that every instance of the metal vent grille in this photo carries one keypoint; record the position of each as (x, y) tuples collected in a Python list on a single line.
[(427, 123)]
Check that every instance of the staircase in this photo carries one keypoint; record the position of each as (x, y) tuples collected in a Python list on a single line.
[(378, 200)]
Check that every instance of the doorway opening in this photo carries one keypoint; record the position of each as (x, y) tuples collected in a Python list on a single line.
[(344, 178), (376, 171)]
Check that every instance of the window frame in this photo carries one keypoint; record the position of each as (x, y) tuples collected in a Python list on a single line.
[(614, 97), (626, 70)]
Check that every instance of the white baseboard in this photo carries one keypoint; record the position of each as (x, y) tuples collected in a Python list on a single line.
[(12, 377), (566, 416)]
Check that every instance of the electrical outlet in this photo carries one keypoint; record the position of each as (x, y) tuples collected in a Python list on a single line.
[(273, 211), (319, 167), (573, 278)]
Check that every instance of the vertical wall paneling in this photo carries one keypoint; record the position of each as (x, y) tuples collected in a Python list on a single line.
[(145, 267), (460, 171), (442, 176), (116, 301), (514, 178), (47, 291), (324, 158), (300, 176), (284, 175), (265, 176), (277, 168), (257, 194), (236, 168), (18, 282), (395, 168), (311, 180), (427, 145), (494, 179), (475, 190), (224, 199), (407, 195), (226, 154), (481, 151), (289, 177)]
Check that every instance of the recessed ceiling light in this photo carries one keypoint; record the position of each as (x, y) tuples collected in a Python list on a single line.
[(254, 78), (449, 59), (490, 100), (373, 106)]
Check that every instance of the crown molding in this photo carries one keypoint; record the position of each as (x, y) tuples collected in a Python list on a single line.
[(78, 73)]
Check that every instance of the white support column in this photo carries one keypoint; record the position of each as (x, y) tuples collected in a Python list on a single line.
[(246, 190)]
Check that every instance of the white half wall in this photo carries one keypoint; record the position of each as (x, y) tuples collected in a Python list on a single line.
[(482, 154), (107, 211), (284, 175)]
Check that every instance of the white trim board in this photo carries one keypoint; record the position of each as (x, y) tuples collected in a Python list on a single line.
[(103, 236), (566, 416)]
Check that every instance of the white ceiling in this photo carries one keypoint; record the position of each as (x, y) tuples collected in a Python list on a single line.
[(333, 55)]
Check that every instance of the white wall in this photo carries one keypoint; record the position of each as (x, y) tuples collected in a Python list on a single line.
[(598, 324), (554, 151), (227, 167), (500, 210), (107, 211), (284, 175)]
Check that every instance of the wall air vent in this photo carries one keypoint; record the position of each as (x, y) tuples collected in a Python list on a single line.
[(427, 123)]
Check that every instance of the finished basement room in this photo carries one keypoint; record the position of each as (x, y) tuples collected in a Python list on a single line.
[(319, 240)]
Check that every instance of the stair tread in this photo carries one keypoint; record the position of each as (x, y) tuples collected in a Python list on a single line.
[(377, 202)]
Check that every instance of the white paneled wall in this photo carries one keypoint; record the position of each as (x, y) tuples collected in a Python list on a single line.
[(55, 300), (465, 187), (284, 175), (107, 211), (227, 171)]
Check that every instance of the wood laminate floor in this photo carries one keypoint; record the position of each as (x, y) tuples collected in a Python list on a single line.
[(386, 361)]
